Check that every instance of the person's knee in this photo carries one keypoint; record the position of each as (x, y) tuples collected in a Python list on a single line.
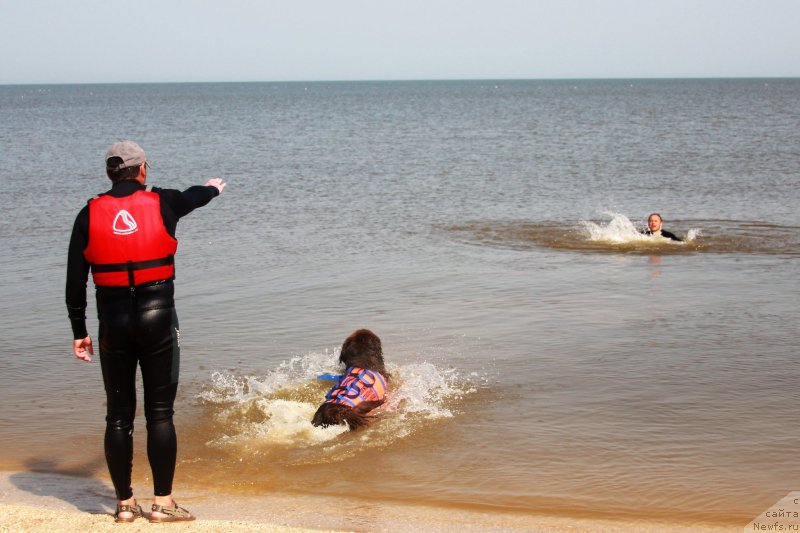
[(159, 402), (120, 412), (119, 422), (159, 413), (159, 409)]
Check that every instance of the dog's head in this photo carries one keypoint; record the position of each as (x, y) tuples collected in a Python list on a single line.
[(363, 349)]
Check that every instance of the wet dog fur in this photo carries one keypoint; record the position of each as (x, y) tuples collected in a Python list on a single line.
[(361, 349)]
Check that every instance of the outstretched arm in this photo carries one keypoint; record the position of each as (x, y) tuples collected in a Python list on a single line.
[(216, 182), (183, 203)]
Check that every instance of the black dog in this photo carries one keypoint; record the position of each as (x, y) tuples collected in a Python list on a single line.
[(361, 388)]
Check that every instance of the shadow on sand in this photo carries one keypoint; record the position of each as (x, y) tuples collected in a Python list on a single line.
[(74, 485)]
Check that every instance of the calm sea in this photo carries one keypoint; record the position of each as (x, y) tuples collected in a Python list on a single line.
[(547, 359)]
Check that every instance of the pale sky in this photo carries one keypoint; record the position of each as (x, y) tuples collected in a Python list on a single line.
[(99, 41)]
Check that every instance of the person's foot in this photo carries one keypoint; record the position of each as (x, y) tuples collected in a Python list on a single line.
[(170, 513), (127, 511)]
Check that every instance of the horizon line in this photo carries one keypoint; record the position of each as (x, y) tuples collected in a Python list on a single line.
[(405, 80)]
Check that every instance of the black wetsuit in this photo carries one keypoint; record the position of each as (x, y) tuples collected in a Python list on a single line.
[(137, 327), (665, 234)]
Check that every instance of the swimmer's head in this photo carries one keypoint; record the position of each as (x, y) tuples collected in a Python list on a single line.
[(654, 222)]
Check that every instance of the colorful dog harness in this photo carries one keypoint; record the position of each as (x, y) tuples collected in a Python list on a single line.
[(357, 385)]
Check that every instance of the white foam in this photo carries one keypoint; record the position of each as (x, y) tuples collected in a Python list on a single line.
[(284, 423), (230, 388), (425, 390), (275, 410), (693, 233), (620, 230)]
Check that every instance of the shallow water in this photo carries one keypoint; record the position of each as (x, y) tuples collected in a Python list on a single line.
[(548, 358)]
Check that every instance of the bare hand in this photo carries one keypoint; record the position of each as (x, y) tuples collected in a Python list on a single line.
[(83, 349), (216, 182)]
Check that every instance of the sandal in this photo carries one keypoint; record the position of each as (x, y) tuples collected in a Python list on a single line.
[(134, 509), (173, 514)]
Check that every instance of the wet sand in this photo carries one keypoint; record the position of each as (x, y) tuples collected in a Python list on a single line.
[(48, 502)]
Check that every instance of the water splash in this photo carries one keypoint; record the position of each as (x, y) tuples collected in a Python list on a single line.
[(620, 230), (619, 234), (272, 413), (231, 388), (692, 234), (270, 423)]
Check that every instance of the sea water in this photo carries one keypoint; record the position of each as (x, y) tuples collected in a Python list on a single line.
[(546, 357)]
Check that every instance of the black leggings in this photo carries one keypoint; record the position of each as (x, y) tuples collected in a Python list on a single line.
[(139, 327)]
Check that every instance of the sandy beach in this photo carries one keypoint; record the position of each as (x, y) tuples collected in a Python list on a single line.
[(53, 502), (26, 518)]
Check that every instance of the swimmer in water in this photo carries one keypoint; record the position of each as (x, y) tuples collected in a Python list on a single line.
[(654, 224)]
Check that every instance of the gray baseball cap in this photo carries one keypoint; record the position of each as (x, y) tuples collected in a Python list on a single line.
[(131, 154)]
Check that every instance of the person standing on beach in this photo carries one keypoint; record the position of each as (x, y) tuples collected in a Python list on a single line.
[(654, 227), (126, 237)]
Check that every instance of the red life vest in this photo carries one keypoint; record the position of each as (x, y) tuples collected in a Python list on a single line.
[(356, 386), (128, 242)]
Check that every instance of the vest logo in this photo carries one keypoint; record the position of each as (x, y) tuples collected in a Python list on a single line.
[(124, 223)]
